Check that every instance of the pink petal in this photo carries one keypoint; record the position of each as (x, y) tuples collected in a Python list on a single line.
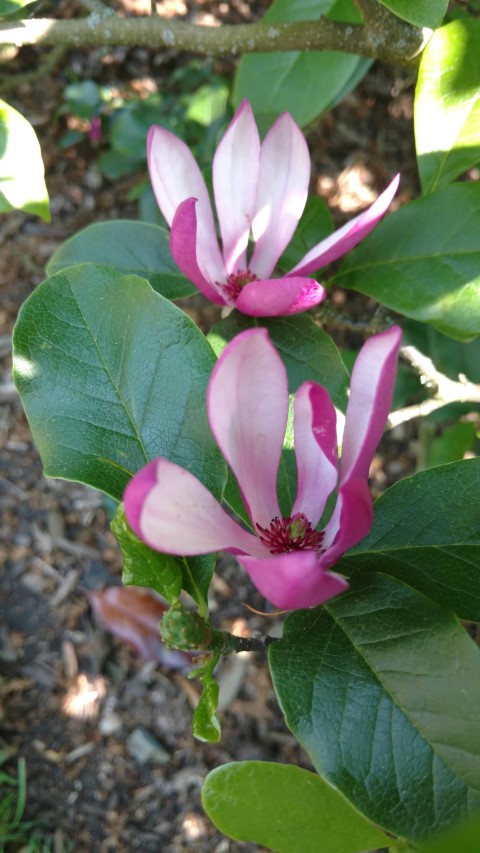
[(235, 178), (294, 580), (247, 404), (371, 390), (316, 451), (351, 521), (175, 176), (343, 240), (174, 513), (281, 194), (277, 297), (183, 245)]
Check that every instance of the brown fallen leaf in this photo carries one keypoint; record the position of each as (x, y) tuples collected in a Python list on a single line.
[(132, 614)]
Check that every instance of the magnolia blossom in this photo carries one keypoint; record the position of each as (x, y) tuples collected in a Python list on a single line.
[(287, 558), (260, 189)]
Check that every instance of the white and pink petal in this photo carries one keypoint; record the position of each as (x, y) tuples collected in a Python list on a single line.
[(175, 176), (173, 512), (235, 178), (346, 238), (247, 404), (282, 193), (316, 450), (371, 391), (183, 245)]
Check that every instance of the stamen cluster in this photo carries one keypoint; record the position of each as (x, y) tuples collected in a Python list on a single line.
[(290, 534), (237, 280)]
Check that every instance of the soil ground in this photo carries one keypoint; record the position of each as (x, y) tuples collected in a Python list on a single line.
[(78, 704)]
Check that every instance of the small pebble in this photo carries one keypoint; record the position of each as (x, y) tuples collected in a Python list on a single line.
[(143, 747)]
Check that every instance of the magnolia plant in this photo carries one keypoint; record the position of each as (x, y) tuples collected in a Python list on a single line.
[(253, 439)]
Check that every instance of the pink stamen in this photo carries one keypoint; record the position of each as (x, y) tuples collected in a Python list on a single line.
[(290, 534), (235, 282)]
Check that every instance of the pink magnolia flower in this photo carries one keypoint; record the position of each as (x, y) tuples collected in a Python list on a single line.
[(259, 188), (247, 401)]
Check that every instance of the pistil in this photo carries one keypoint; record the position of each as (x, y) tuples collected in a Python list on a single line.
[(290, 534)]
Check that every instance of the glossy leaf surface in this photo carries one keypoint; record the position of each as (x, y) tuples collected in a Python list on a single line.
[(130, 248), (112, 375), (426, 532), (382, 688), (289, 82), (424, 261), (427, 13), (22, 182), (284, 808), (447, 104)]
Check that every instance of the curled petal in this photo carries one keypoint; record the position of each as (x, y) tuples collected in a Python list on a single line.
[(281, 194), (350, 522), (247, 404), (278, 297), (316, 452), (183, 245), (235, 178), (371, 390), (175, 176), (174, 513), (343, 240), (293, 581)]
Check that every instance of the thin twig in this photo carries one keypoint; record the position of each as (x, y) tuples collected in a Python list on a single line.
[(444, 390), (46, 66)]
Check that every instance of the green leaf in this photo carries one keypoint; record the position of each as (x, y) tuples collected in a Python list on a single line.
[(461, 839), (447, 104), (307, 352), (112, 375), (426, 532), (315, 224), (382, 688), (452, 444), (129, 247), (22, 182), (279, 82), (424, 261), (144, 567), (426, 13), (197, 573), (12, 7), (206, 725), (284, 808)]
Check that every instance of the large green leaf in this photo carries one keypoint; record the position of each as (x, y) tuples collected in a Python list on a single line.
[(279, 82), (22, 182), (307, 352), (284, 808), (129, 247), (447, 104), (426, 532), (424, 261), (382, 688), (420, 13), (112, 375)]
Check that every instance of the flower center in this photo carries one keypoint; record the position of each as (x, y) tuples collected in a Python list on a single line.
[(290, 534), (237, 280)]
